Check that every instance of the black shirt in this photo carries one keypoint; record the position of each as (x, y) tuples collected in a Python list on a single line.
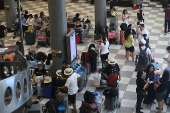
[(140, 83), (2, 28), (140, 16), (26, 16), (110, 69), (40, 72), (162, 87)]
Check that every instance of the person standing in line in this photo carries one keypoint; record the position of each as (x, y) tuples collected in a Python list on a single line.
[(161, 90), (71, 84), (129, 44), (125, 16), (3, 34), (140, 16), (104, 49), (141, 88), (168, 88), (167, 19)]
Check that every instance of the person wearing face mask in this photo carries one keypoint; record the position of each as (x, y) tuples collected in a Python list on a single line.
[(142, 84)]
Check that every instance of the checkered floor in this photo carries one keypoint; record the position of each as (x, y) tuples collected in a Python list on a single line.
[(154, 23)]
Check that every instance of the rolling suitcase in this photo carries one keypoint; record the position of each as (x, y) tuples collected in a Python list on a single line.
[(85, 57), (111, 103), (98, 31), (30, 38), (121, 38), (78, 39), (47, 90)]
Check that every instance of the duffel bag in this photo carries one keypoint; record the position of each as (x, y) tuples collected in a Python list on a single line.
[(89, 107)]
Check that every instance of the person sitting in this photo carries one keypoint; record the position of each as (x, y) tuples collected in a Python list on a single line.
[(26, 16), (31, 63), (37, 22), (79, 28), (112, 67), (16, 25), (49, 62), (42, 15), (143, 56), (76, 17), (30, 21), (38, 77)]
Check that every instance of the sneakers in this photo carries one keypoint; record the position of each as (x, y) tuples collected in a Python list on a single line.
[(127, 61)]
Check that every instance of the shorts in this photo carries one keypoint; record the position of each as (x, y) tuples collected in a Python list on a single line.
[(72, 98), (160, 96), (131, 49)]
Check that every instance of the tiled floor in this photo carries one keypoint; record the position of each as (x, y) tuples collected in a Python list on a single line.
[(154, 23)]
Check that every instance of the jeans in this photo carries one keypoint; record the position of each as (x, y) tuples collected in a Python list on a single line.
[(167, 23), (139, 101), (168, 91), (39, 89)]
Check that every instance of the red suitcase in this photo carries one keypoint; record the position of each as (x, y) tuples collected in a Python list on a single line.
[(121, 38), (78, 39), (85, 57)]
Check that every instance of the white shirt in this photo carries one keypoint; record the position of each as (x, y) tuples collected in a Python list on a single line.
[(30, 21), (126, 20), (148, 51), (71, 84), (105, 48), (35, 23), (144, 31)]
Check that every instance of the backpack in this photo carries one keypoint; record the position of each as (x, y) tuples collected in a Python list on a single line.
[(143, 57), (111, 92), (111, 82), (50, 106), (89, 97)]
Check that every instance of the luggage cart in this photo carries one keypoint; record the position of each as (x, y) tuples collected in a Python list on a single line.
[(41, 39), (116, 103)]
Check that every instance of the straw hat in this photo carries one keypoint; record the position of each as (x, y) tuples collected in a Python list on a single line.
[(68, 71), (58, 72), (112, 61), (47, 79)]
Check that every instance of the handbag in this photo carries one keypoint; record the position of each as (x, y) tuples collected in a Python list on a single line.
[(144, 93)]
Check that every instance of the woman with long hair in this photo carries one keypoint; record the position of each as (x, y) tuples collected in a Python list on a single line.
[(151, 91), (140, 16), (161, 90), (125, 16), (129, 44), (104, 48), (141, 86), (48, 63)]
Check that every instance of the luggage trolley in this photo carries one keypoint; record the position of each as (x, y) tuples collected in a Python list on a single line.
[(112, 35), (116, 103), (41, 38)]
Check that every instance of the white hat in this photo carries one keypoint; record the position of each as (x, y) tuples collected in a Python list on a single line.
[(112, 61), (68, 71), (143, 41), (92, 48), (58, 72), (47, 79), (39, 63)]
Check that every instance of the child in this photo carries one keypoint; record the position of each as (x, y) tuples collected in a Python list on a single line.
[(156, 78)]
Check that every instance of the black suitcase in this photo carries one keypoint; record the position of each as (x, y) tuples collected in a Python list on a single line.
[(30, 38)]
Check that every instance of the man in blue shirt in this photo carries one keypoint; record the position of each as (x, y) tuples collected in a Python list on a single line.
[(16, 25), (168, 88)]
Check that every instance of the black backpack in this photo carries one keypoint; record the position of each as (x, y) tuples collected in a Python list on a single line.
[(143, 57), (89, 97), (50, 106)]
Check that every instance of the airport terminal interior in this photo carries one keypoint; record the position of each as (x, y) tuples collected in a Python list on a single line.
[(154, 22)]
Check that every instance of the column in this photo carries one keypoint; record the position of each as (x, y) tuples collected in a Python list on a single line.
[(100, 12), (10, 13), (58, 30)]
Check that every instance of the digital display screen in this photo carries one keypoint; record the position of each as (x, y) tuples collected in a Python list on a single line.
[(73, 46)]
